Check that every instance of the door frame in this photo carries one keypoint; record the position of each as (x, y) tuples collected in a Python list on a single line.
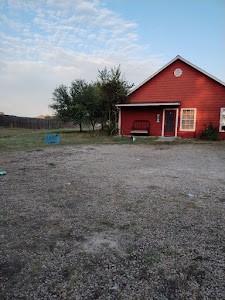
[(176, 121)]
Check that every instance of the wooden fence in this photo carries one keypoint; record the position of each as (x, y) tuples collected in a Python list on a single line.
[(29, 123)]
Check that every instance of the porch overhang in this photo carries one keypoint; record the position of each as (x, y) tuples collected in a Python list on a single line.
[(148, 104)]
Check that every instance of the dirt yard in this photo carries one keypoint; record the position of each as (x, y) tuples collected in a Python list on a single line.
[(113, 222)]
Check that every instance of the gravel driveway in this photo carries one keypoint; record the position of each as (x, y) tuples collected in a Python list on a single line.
[(113, 222)]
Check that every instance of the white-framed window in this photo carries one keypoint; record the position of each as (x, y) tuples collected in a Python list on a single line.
[(188, 119), (222, 119)]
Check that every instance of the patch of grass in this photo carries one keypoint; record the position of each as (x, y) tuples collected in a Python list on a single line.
[(126, 226), (139, 140), (14, 139), (36, 267), (191, 205), (106, 223), (169, 252), (151, 257)]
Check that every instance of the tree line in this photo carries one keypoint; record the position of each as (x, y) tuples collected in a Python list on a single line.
[(92, 102)]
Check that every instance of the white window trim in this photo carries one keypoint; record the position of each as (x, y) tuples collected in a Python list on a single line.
[(181, 114), (221, 111), (163, 120)]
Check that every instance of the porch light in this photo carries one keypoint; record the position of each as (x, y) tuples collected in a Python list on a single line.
[(158, 118)]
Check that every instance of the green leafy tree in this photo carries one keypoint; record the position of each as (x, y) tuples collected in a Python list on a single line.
[(92, 98), (62, 103), (70, 103), (78, 104), (114, 89), (92, 102)]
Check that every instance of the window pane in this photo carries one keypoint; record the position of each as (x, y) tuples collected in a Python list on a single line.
[(223, 120), (188, 119)]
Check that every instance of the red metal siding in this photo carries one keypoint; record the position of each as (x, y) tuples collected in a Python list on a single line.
[(193, 90), (128, 115)]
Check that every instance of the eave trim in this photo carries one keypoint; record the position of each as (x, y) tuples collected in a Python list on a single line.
[(149, 104)]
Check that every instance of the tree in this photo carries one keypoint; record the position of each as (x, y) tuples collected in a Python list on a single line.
[(92, 98), (69, 103), (78, 107), (62, 103), (114, 90), (92, 102)]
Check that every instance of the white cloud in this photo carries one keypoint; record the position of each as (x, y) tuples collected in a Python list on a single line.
[(45, 43)]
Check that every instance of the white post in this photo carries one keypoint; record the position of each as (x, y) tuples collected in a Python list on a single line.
[(163, 123), (119, 121)]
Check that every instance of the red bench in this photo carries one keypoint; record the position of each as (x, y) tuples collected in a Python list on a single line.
[(140, 127)]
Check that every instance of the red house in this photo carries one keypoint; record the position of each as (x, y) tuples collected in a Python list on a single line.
[(178, 100)]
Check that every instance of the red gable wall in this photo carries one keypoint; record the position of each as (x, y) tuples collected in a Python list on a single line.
[(193, 90)]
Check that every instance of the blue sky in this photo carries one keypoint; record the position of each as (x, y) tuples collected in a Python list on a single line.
[(47, 42), (194, 29)]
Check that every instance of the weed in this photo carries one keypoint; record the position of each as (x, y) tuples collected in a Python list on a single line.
[(210, 133)]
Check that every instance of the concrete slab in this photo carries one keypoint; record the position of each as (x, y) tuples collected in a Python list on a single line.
[(166, 139)]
